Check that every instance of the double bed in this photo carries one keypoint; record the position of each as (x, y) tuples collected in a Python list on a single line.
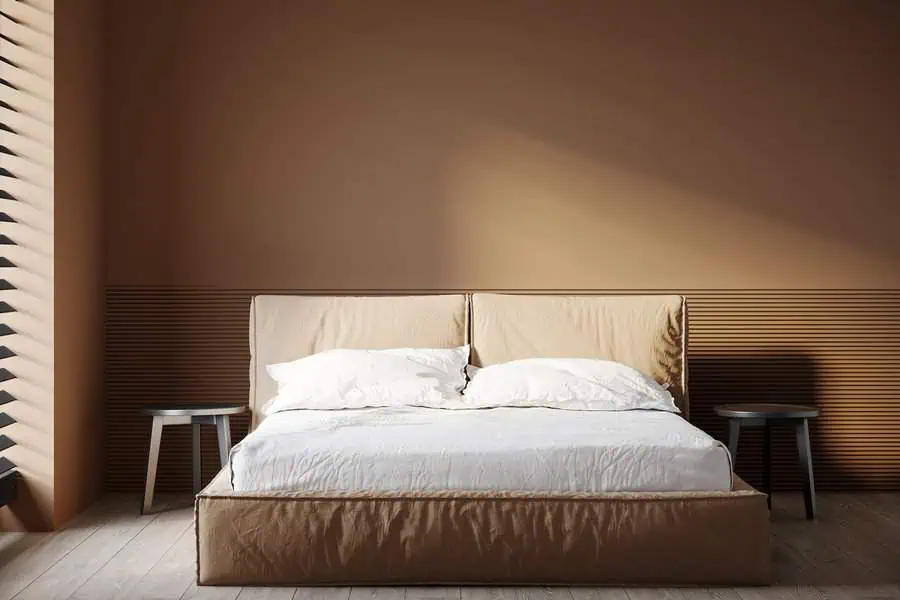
[(408, 494)]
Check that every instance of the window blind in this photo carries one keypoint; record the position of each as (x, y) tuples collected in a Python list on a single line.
[(26, 174)]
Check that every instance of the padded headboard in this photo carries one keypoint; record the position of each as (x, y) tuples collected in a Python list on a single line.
[(648, 333), (284, 328)]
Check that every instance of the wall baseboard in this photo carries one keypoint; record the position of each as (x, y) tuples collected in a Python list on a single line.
[(839, 349)]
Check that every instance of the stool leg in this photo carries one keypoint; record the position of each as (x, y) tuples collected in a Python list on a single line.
[(223, 432), (804, 453), (767, 462), (152, 461), (734, 435), (196, 452)]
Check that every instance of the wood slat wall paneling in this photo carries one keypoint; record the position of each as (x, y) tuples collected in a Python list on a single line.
[(838, 349)]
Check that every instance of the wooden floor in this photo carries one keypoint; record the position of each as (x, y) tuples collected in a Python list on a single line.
[(852, 551)]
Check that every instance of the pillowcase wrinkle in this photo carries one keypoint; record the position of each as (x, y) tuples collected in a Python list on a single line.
[(566, 383), (351, 378)]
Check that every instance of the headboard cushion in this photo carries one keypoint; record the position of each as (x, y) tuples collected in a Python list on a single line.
[(284, 328), (647, 333)]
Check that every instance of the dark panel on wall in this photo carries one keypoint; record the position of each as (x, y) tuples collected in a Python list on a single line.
[(837, 349)]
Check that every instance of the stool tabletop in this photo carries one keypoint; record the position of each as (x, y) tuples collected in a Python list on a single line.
[(194, 410), (767, 411)]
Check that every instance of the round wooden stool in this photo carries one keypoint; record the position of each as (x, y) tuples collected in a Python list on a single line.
[(767, 415), (187, 414)]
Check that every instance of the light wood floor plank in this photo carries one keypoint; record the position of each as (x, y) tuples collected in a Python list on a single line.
[(543, 593), (58, 582), (887, 505), (210, 592), (34, 561), (830, 541), (866, 529), (710, 594), (872, 536), (599, 593), (269, 593), (487, 593), (14, 543), (119, 577), (774, 592), (695, 594), (875, 592), (802, 574), (19, 545), (371, 593), (722, 594), (323, 593), (432, 593), (654, 594), (172, 575)]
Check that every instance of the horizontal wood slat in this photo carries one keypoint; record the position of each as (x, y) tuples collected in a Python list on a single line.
[(838, 349)]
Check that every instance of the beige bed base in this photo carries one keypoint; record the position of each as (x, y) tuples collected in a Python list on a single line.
[(293, 538), (694, 538)]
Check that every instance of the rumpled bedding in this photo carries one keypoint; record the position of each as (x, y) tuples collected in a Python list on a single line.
[(539, 449)]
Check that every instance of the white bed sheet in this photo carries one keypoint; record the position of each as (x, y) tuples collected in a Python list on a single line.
[(498, 449)]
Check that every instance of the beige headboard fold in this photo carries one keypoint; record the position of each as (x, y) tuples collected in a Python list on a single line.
[(648, 333), (284, 328)]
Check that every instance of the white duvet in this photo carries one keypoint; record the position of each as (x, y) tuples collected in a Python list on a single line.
[(397, 449)]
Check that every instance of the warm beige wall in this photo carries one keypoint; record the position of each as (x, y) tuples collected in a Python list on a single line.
[(385, 145), (78, 260)]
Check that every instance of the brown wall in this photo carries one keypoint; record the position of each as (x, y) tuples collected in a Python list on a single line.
[(78, 260), (704, 147)]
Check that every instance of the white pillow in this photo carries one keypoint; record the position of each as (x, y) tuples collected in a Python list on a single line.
[(344, 378), (566, 383)]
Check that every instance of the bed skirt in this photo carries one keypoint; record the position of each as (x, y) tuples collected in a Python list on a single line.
[(489, 538)]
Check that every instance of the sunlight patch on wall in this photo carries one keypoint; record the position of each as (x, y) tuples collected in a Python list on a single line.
[(540, 216)]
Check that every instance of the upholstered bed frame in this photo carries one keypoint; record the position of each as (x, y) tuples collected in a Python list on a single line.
[(293, 538)]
